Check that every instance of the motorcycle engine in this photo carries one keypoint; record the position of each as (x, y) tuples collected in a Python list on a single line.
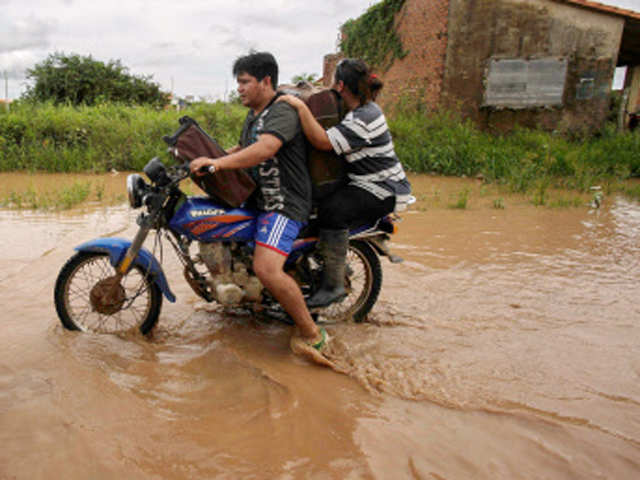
[(230, 279)]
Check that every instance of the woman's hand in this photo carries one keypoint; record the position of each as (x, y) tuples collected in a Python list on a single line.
[(312, 129), (196, 166), (292, 100)]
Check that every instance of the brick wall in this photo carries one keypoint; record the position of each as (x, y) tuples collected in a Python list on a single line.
[(329, 67), (422, 27)]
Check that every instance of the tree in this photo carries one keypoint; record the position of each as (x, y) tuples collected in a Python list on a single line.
[(234, 97), (82, 80), (304, 77)]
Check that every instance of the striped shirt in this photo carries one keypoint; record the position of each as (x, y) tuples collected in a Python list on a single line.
[(364, 139)]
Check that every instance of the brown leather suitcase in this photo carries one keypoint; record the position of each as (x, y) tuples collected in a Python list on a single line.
[(232, 187), (326, 168)]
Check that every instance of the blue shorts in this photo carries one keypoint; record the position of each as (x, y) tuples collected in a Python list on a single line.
[(276, 232)]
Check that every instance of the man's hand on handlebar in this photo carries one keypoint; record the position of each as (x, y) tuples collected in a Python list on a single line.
[(202, 166)]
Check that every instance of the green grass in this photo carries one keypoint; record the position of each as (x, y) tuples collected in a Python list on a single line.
[(48, 138), (44, 137), (632, 192), (524, 160), (64, 198), (461, 201), (567, 202), (498, 203)]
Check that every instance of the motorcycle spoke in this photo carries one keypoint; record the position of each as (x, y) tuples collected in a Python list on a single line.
[(135, 314), (101, 321), (86, 310), (104, 269), (74, 295)]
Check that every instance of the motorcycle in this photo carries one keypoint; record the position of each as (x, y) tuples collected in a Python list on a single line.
[(113, 285)]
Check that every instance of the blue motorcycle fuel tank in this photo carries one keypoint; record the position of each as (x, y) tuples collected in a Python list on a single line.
[(201, 219)]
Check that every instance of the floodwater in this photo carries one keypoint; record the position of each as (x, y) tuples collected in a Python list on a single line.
[(507, 345)]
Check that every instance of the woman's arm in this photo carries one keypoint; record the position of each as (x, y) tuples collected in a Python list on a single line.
[(314, 132)]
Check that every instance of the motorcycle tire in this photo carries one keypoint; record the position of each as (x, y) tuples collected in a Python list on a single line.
[(82, 304), (363, 282)]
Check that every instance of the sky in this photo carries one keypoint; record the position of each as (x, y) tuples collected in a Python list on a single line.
[(187, 46)]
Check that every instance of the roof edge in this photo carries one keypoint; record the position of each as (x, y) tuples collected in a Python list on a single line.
[(606, 9)]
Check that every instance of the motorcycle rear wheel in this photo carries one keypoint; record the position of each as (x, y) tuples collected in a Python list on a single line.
[(135, 302), (363, 282)]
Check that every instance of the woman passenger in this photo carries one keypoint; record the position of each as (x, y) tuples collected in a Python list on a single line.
[(376, 182)]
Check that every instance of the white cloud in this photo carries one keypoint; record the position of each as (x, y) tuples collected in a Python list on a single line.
[(24, 33), (16, 63)]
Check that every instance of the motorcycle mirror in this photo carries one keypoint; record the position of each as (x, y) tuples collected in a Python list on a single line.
[(157, 172)]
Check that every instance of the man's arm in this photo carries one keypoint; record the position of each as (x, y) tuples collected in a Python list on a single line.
[(265, 148), (234, 149)]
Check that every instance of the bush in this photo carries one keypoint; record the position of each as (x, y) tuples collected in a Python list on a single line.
[(107, 136), (80, 80), (115, 136), (442, 143)]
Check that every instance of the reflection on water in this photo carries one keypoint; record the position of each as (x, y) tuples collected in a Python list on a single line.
[(506, 346)]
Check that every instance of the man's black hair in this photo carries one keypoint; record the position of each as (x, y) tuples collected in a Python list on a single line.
[(259, 65)]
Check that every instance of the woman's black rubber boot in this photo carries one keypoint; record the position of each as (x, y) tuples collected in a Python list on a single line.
[(334, 245)]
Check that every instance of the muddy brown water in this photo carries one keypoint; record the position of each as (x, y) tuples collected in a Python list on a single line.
[(507, 345)]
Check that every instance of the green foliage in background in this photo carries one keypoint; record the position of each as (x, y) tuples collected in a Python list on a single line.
[(82, 80), (373, 37), (304, 77), (45, 137), (524, 160)]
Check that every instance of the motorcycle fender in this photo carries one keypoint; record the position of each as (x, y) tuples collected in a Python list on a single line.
[(117, 248)]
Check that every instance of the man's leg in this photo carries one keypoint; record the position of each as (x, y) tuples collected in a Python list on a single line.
[(268, 266), (274, 239)]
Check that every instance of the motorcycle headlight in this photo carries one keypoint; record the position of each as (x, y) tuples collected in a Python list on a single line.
[(136, 187)]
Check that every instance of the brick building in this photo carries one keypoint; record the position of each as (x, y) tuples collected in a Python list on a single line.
[(544, 63)]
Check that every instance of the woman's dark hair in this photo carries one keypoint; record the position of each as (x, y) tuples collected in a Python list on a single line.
[(358, 78), (259, 65)]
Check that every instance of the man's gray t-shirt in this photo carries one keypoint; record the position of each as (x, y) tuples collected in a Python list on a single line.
[(284, 184)]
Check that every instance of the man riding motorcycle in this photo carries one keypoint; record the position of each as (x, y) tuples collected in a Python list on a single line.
[(272, 146)]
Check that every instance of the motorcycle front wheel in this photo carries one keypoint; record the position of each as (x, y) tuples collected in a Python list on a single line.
[(363, 281), (90, 298)]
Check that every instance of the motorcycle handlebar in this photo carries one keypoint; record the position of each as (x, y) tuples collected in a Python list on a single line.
[(208, 169)]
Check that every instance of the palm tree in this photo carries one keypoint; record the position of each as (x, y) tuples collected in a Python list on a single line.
[(304, 77)]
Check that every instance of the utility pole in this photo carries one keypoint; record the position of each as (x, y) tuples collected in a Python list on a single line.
[(6, 88)]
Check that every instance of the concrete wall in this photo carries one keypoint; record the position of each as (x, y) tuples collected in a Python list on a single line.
[(479, 30)]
